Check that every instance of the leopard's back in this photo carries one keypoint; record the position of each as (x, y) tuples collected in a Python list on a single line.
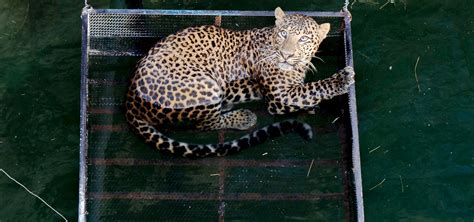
[(198, 74)]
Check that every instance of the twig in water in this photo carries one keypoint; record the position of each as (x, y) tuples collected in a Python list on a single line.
[(23, 186), (379, 184), (364, 55), (374, 149), (214, 174), (386, 3), (310, 166), (24, 19), (401, 181), (335, 120), (353, 2), (416, 75)]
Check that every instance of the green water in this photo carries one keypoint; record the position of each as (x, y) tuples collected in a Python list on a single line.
[(416, 143)]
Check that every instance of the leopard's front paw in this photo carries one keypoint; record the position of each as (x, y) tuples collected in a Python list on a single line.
[(348, 76), (349, 73)]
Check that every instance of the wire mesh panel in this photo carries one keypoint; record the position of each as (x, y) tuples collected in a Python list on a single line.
[(284, 179)]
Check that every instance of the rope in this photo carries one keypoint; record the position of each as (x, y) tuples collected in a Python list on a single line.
[(86, 4), (346, 6), (13, 179), (345, 9)]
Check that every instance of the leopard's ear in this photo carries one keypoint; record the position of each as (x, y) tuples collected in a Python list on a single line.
[(279, 15), (324, 30)]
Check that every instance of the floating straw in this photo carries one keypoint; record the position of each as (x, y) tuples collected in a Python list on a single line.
[(13, 179)]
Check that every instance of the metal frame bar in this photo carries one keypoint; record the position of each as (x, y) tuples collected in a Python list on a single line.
[(83, 116), (211, 12), (87, 11), (214, 196), (356, 168), (213, 162)]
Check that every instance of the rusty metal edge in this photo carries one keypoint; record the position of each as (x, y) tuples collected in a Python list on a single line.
[(213, 12), (213, 162), (82, 210), (213, 196), (356, 166)]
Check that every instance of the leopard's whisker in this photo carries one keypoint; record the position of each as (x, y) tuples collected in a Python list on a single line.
[(311, 67), (308, 65), (267, 48), (266, 58), (319, 58)]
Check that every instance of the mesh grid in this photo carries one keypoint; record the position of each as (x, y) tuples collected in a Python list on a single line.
[(133, 34), (284, 179)]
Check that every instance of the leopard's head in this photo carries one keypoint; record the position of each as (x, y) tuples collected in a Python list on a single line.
[(295, 40)]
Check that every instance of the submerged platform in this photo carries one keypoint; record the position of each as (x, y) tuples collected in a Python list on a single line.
[(122, 179)]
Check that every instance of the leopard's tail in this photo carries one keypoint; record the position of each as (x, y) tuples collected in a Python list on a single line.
[(170, 146)]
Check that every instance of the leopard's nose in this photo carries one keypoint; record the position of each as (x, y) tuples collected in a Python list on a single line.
[(287, 55)]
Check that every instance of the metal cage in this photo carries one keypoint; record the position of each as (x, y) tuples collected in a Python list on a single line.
[(286, 179)]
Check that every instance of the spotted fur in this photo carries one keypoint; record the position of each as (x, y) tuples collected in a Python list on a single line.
[(199, 73)]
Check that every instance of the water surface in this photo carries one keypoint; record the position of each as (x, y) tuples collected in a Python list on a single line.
[(416, 137)]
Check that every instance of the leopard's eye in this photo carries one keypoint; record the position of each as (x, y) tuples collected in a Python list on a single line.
[(283, 34), (304, 38)]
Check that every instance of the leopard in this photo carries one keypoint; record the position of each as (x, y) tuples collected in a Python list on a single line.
[(198, 74)]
